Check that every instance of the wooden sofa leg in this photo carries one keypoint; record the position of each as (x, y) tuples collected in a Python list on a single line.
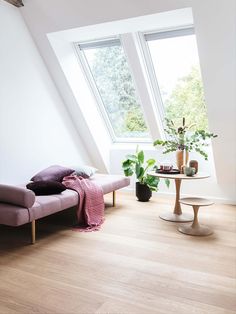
[(113, 198), (33, 232)]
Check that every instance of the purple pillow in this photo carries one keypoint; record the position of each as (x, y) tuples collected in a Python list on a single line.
[(46, 187), (52, 173)]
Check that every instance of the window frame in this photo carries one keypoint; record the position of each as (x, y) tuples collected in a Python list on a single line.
[(153, 80), (94, 89)]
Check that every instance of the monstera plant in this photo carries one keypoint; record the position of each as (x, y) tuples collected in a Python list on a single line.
[(146, 183)]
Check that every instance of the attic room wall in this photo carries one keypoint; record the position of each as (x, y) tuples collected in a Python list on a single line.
[(215, 32), (35, 129)]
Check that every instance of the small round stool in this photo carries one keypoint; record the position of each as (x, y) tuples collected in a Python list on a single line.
[(195, 228)]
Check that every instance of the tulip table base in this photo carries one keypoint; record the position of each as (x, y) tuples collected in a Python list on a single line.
[(183, 217), (177, 215), (195, 231)]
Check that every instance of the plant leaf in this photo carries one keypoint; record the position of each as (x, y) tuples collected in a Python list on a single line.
[(141, 157), (131, 157), (151, 162), (167, 182), (152, 181), (158, 142), (154, 189), (127, 164), (141, 173), (137, 169), (128, 172)]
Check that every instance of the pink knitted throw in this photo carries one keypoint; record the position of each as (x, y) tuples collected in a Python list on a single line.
[(90, 211)]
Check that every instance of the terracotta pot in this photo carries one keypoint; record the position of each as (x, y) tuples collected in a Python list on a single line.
[(181, 158), (143, 192)]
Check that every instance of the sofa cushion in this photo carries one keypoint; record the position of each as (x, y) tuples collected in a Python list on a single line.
[(110, 182), (49, 204), (16, 195), (46, 187), (52, 173)]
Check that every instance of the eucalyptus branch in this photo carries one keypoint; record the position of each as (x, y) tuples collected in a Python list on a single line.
[(184, 139)]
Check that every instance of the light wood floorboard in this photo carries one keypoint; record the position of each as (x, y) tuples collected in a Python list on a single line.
[(136, 263)]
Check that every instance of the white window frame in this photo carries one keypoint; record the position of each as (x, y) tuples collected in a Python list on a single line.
[(153, 81), (138, 56), (134, 56), (93, 87)]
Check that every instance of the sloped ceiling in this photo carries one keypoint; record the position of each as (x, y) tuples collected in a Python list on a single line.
[(16, 3)]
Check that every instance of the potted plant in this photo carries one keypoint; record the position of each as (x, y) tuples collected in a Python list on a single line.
[(182, 140), (146, 183)]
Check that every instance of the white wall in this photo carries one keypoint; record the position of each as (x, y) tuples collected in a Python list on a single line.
[(216, 33), (35, 128)]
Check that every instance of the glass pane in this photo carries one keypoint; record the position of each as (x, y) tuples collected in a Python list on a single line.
[(112, 77), (176, 65)]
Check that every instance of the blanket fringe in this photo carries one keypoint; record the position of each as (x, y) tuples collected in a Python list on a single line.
[(80, 228)]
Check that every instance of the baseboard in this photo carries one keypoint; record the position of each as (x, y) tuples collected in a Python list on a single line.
[(217, 200)]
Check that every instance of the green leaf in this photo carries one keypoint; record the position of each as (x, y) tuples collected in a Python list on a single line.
[(131, 157), (167, 182), (128, 172), (141, 173), (158, 142), (127, 164), (154, 189), (152, 181), (141, 157), (137, 170), (151, 162)]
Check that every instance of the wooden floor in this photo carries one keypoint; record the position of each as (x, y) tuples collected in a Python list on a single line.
[(137, 263)]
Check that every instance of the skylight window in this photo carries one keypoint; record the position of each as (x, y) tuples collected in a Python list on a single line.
[(108, 73), (176, 77)]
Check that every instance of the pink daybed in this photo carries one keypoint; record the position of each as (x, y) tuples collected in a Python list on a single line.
[(19, 205)]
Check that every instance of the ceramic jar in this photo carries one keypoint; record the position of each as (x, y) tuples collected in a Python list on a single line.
[(194, 164)]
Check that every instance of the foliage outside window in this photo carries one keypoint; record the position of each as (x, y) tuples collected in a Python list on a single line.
[(176, 66), (173, 63), (110, 72)]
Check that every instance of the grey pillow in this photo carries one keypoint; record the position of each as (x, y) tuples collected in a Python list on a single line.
[(52, 173), (85, 171)]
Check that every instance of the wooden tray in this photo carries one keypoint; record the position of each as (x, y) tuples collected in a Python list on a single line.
[(172, 171)]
